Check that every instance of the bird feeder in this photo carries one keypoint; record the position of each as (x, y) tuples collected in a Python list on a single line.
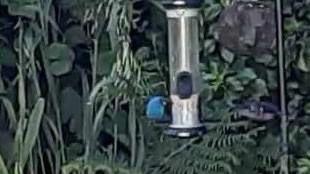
[(185, 78)]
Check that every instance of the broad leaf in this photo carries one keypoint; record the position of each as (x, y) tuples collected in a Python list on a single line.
[(6, 147), (209, 45), (265, 59), (246, 75), (227, 55), (32, 37), (272, 79), (7, 56), (259, 88), (235, 83), (71, 110), (75, 36), (61, 58), (28, 11), (105, 62)]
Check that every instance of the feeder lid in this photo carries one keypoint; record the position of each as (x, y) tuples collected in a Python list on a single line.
[(181, 3)]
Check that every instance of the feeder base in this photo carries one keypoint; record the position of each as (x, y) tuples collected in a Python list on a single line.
[(186, 132)]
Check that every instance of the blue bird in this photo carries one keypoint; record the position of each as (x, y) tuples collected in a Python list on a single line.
[(155, 109)]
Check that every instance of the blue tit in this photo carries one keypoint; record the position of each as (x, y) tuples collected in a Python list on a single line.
[(155, 109)]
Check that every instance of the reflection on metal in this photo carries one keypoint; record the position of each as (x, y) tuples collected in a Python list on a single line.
[(185, 111)]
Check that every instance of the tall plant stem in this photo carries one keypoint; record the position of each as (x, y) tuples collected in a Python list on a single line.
[(132, 125), (21, 99), (94, 62), (35, 74), (43, 14), (281, 67)]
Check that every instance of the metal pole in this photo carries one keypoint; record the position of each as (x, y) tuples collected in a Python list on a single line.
[(281, 68)]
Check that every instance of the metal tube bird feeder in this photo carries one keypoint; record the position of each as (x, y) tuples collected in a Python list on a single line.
[(185, 78)]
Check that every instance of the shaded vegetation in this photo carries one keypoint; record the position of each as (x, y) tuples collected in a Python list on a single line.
[(75, 75)]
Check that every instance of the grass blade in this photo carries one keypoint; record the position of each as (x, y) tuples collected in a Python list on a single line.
[(10, 112), (141, 149), (3, 169), (32, 132)]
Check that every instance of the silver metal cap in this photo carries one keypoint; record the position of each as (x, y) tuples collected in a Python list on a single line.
[(182, 12)]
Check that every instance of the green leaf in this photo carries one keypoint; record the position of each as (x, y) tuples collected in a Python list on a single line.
[(303, 64), (272, 79), (10, 111), (105, 62), (265, 59), (209, 45), (227, 55), (75, 36), (291, 24), (7, 56), (246, 75), (28, 11), (6, 147), (73, 150), (4, 2), (104, 42), (32, 132), (307, 108), (236, 84), (23, 2), (120, 119), (259, 88), (71, 99), (3, 169), (60, 58), (212, 12), (32, 37), (142, 53)]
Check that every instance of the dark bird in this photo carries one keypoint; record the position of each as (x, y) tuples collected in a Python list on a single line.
[(258, 110)]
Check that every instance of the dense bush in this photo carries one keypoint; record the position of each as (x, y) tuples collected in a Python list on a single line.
[(75, 75)]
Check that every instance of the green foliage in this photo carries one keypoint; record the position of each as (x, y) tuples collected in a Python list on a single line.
[(304, 165), (60, 58), (7, 56), (3, 168), (74, 82)]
